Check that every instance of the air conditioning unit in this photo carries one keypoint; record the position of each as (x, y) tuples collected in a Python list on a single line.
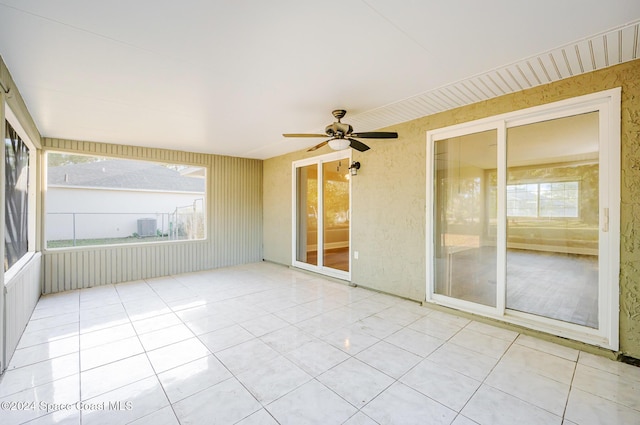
[(147, 227)]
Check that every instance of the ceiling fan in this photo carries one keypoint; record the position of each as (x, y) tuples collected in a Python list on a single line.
[(342, 135)]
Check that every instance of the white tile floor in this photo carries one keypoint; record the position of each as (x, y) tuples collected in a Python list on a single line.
[(263, 344)]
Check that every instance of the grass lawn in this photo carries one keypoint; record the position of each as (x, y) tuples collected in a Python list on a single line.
[(66, 243)]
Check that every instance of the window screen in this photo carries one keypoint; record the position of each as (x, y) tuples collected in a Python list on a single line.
[(16, 169)]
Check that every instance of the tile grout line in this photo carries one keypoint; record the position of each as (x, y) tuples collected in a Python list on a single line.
[(344, 325), (573, 375), (146, 354), (487, 375), (397, 380)]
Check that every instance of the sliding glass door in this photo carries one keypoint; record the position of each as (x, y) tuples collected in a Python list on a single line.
[(524, 218), (465, 234), (321, 214), (553, 199)]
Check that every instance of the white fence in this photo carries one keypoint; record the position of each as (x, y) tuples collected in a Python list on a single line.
[(82, 214)]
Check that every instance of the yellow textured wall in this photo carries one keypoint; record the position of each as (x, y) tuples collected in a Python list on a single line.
[(388, 210), (277, 200)]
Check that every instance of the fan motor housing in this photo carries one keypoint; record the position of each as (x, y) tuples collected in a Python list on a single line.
[(338, 128)]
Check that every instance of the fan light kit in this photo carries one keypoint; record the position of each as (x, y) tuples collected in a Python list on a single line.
[(341, 135), (339, 144)]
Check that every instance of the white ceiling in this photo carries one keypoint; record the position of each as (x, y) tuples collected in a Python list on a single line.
[(228, 77)]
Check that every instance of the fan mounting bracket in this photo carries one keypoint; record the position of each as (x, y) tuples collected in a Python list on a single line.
[(339, 114)]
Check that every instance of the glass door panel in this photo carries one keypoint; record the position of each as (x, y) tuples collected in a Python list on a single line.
[(465, 217), (539, 216), (307, 214), (322, 200), (335, 188), (552, 202)]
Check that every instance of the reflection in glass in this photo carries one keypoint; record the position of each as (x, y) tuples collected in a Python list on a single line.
[(465, 217), (552, 219), (335, 186), (307, 214)]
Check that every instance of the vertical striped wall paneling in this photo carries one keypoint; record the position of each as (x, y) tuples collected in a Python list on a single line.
[(22, 294), (234, 225)]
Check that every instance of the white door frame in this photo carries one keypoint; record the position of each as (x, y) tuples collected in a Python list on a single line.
[(607, 103), (319, 160)]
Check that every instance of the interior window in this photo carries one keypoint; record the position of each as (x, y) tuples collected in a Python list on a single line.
[(545, 200)]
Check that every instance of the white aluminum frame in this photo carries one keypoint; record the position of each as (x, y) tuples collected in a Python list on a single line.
[(607, 104), (320, 268)]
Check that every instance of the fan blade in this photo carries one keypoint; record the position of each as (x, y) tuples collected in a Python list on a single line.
[(319, 145), (303, 135), (358, 145), (376, 135)]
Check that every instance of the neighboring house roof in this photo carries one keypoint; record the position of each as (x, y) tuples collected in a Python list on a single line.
[(124, 174)]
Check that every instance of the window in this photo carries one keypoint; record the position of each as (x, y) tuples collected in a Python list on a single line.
[(544, 200), (16, 240), (93, 200), (558, 199)]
